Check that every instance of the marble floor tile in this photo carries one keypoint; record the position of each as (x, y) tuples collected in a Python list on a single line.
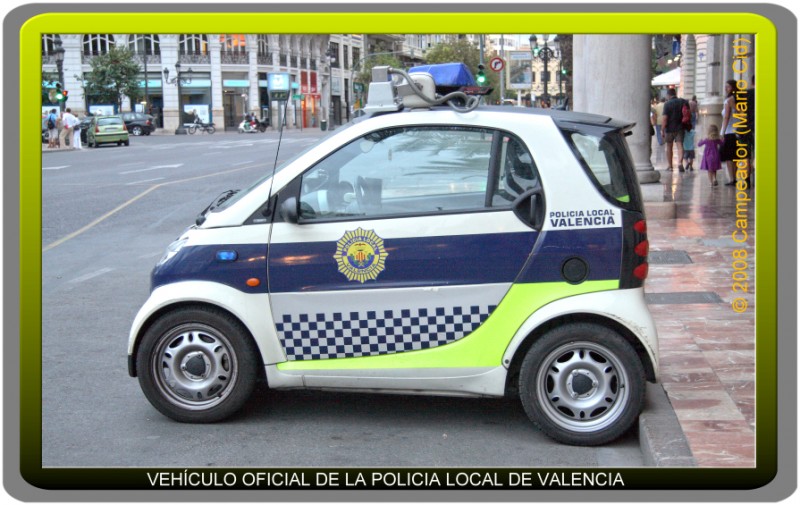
[(707, 351)]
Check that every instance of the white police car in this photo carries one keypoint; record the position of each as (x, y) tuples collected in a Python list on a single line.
[(461, 250)]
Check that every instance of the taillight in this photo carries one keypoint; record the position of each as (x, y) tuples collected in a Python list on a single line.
[(97, 129), (124, 127), (148, 122), (642, 248), (641, 271), (635, 250)]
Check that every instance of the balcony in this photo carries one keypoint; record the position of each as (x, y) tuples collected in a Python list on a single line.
[(152, 59), (194, 58), (234, 58)]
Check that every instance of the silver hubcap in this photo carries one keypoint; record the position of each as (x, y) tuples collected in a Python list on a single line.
[(194, 366), (582, 387)]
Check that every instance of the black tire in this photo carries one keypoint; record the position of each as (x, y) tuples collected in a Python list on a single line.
[(211, 129), (582, 384), (137, 130), (128, 142), (191, 129), (197, 365)]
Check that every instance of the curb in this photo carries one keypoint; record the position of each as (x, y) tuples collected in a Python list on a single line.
[(661, 438)]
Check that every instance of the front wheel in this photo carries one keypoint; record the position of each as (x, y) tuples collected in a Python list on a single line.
[(191, 129), (210, 129), (197, 365), (137, 130), (582, 384)]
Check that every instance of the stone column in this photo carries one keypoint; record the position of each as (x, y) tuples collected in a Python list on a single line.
[(73, 73), (688, 67), (215, 58), (612, 78), (252, 74), (710, 106), (169, 56)]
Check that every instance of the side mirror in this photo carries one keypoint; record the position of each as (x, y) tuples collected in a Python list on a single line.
[(529, 208), (288, 210)]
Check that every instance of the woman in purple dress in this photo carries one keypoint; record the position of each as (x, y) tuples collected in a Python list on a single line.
[(711, 160)]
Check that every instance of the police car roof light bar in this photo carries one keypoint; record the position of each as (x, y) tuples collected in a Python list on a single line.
[(387, 96)]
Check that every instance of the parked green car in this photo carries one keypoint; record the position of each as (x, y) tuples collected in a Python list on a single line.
[(107, 130)]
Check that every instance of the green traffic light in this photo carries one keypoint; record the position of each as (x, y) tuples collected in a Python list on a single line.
[(481, 78)]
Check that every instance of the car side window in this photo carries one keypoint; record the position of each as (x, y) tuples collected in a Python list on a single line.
[(517, 173), (401, 171)]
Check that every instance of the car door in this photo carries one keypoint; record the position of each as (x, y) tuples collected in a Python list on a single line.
[(405, 239)]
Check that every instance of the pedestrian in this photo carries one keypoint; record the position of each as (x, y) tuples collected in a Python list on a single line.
[(76, 134), (711, 161), (688, 149), (728, 151), (672, 124), (63, 131), (51, 122), (70, 122), (693, 108), (659, 113), (654, 127)]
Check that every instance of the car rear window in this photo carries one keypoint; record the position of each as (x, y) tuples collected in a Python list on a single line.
[(607, 160), (106, 121)]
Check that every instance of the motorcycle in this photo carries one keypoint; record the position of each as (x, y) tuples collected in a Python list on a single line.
[(253, 126), (199, 125)]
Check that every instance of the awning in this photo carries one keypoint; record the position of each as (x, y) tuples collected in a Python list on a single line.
[(671, 78)]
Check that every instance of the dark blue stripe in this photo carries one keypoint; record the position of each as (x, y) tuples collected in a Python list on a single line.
[(412, 262), (199, 263), (600, 248)]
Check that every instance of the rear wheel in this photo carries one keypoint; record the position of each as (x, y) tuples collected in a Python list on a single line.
[(137, 130), (582, 384), (191, 129), (197, 365), (211, 129)]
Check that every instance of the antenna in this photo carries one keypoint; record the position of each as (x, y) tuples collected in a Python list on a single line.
[(278, 149)]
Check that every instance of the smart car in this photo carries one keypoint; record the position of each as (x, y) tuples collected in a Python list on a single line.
[(107, 130), (433, 246)]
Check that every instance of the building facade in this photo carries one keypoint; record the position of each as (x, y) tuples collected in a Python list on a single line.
[(221, 76)]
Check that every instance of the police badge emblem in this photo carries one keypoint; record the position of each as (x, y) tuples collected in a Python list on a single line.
[(360, 255)]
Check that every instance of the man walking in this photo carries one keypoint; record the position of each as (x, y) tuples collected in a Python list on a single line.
[(51, 123), (659, 112), (672, 124), (70, 122)]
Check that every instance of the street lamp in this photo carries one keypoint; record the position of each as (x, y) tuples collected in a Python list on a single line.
[(58, 51), (544, 54), (331, 55), (180, 130)]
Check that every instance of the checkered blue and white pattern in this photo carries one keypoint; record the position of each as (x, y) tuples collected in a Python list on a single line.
[(353, 334)]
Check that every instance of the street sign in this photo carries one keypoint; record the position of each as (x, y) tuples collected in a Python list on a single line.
[(297, 97), (497, 64)]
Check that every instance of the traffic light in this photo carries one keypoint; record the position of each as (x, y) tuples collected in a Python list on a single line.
[(59, 92), (64, 95), (480, 78)]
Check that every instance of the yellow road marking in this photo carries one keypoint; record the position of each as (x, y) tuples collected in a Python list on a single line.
[(120, 207)]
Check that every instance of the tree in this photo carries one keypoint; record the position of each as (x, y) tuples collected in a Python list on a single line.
[(114, 75)]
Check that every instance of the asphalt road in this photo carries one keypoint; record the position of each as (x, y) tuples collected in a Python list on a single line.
[(108, 214)]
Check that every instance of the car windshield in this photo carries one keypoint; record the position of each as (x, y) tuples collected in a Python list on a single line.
[(281, 166), (106, 121)]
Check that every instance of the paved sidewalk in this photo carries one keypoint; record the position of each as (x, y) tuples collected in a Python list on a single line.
[(707, 349)]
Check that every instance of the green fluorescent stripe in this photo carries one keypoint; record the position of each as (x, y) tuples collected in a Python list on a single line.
[(482, 348)]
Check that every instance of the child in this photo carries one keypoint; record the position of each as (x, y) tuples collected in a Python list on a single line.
[(711, 160), (688, 149)]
